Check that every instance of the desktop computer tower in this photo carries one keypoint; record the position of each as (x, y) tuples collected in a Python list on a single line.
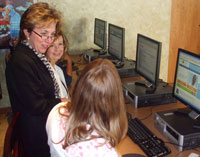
[(127, 70), (139, 98), (91, 55), (178, 128)]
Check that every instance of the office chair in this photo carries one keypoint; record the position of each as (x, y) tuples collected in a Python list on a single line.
[(12, 144), (0, 92)]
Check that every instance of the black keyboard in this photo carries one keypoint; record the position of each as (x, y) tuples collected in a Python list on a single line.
[(146, 140)]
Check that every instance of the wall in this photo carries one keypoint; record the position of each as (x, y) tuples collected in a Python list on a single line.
[(148, 17), (185, 31)]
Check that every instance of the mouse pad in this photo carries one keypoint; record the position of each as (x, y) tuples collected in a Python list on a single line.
[(133, 155)]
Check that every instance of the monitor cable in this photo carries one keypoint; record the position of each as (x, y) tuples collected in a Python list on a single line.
[(149, 115)]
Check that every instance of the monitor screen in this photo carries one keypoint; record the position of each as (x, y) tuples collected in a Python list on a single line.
[(148, 56), (116, 39), (187, 80), (100, 29)]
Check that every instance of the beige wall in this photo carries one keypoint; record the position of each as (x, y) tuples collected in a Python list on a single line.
[(148, 17)]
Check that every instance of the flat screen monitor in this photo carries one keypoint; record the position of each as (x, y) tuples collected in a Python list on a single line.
[(100, 35), (116, 40), (187, 81), (148, 54)]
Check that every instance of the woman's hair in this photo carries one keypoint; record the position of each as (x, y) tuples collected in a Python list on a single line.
[(65, 43), (97, 100), (39, 14)]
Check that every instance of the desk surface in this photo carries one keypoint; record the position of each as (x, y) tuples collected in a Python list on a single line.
[(127, 146)]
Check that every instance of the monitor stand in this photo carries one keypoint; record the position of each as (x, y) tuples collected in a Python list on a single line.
[(139, 96)]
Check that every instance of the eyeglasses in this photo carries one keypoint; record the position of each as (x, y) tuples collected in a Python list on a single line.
[(45, 36)]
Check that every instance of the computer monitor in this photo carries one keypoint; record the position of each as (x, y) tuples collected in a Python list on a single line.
[(187, 81), (148, 54), (116, 42), (100, 35)]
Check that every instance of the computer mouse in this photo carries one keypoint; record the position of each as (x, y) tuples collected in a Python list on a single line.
[(133, 155)]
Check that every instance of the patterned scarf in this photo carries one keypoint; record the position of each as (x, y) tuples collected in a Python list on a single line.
[(43, 58)]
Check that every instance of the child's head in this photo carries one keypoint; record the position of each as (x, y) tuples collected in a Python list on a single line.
[(56, 51), (98, 100)]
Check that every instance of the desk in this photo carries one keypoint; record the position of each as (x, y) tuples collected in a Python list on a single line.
[(127, 146)]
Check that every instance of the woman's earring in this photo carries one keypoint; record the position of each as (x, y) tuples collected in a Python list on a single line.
[(28, 38)]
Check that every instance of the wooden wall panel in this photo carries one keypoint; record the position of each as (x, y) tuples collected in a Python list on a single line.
[(185, 30)]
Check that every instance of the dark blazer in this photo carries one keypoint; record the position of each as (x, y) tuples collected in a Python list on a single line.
[(31, 92)]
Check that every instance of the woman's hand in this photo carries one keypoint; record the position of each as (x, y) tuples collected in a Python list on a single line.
[(65, 100), (64, 109)]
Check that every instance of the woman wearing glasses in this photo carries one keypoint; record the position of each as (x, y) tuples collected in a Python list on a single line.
[(31, 83)]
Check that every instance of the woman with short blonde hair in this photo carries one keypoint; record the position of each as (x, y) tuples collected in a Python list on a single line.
[(31, 83)]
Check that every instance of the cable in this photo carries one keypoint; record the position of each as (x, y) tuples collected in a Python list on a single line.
[(147, 115), (175, 144)]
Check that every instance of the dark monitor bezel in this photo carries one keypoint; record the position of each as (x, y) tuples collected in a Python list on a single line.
[(122, 43), (104, 46), (185, 102), (159, 44)]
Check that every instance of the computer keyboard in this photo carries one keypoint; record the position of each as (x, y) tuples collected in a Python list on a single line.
[(147, 141)]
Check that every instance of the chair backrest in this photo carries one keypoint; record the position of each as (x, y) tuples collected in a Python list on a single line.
[(12, 144), (0, 92)]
